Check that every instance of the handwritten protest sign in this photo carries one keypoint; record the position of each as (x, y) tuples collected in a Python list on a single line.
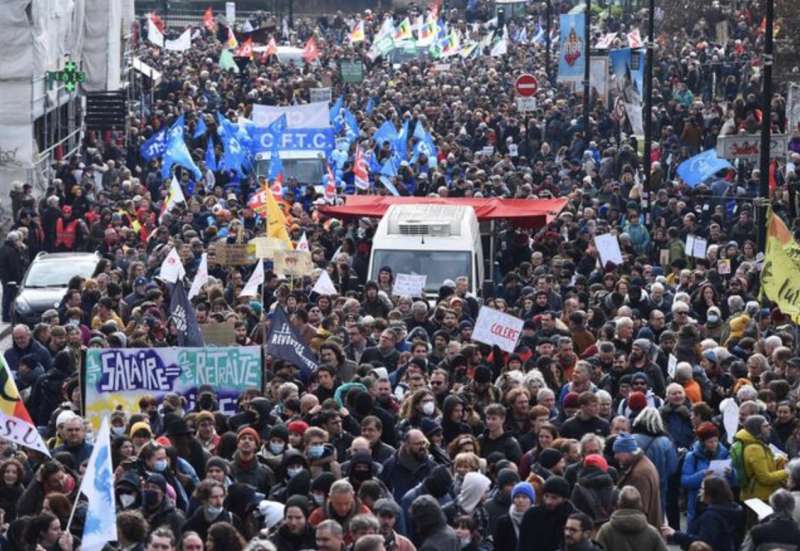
[(409, 285), (496, 328)]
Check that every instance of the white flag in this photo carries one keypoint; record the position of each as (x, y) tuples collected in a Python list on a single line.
[(98, 487), (153, 34), (180, 44), (256, 279), (247, 27), (324, 285), (200, 278), (302, 245), (501, 48), (174, 197), (172, 267)]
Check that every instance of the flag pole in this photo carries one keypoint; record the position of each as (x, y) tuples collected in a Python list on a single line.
[(74, 508)]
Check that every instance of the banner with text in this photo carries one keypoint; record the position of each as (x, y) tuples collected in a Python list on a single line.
[(121, 376)]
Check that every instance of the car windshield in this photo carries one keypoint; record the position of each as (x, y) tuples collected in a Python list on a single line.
[(437, 265), (58, 274)]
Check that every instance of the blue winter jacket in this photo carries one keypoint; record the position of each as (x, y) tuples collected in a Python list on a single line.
[(661, 451), (694, 471)]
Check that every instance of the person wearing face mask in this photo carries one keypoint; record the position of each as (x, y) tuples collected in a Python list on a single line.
[(273, 450), (321, 456), (119, 423), (156, 506), (211, 495), (127, 491), (294, 465)]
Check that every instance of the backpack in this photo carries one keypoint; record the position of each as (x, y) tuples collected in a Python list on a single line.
[(737, 462)]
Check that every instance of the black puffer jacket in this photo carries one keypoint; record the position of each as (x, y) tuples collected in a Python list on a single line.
[(595, 494), (433, 532)]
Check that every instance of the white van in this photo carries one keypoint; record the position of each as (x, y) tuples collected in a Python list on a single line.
[(439, 241)]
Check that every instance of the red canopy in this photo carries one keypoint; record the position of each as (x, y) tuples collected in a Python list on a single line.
[(526, 213)]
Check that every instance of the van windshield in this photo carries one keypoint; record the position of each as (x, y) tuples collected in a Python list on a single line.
[(437, 265), (306, 171)]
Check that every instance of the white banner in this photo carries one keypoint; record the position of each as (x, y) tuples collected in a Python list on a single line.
[(493, 327), (748, 146), (153, 34), (608, 248), (310, 115), (793, 108), (634, 112), (319, 95), (180, 44), (599, 77), (230, 12), (409, 285)]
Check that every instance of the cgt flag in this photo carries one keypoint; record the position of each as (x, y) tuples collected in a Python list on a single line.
[(16, 424), (188, 332), (285, 343)]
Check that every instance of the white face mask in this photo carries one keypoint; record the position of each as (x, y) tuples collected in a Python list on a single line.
[(465, 542), (428, 408), (294, 471), (126, 500)]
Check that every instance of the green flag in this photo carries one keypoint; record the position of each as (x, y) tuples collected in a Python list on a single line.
[(226, 61)]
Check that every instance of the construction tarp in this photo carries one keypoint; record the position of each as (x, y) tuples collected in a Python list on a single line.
[(525, 213)]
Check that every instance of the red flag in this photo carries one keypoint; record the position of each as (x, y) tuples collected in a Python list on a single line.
[(330, 186), (208, 20), (272, 47), (310, 51), (434, 8), (158, 22), (773, 176), (246, 49), (360, 170)]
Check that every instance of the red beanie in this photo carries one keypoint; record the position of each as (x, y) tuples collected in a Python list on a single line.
[(637, 401), (596, 460), (571, 400), (251, 432), (298, 427)]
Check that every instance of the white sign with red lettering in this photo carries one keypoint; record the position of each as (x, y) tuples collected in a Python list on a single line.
[(493, 327)]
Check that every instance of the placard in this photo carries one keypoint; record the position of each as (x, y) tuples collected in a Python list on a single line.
[(293, 263), (724, 266), (608, 248), (120, 377), (319, 94), (351, 71), (231, 254), (493, 327), (265, 247), (526, 105), (663, 257), (230, 12), (409, 285), (700, 246), (218, 333), (487, 150)]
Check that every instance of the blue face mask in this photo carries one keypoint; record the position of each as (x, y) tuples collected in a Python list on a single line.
[(315, 452), (160, 466)]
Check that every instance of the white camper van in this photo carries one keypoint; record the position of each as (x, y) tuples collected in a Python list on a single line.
[(439, 241)]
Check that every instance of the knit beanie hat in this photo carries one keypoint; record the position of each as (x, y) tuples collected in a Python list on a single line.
[(625, 443), (556, 485), (524, 488), (549, 458)]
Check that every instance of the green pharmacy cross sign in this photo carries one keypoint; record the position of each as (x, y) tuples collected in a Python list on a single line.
[(70, 76)]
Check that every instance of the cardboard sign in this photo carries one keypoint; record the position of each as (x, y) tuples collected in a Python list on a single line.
[(265, 247), (293, 263), (409, 285), (724, 266), (231, 254), (218, 334), (526, 105), (493, 327), (230, 12), (608, 249)]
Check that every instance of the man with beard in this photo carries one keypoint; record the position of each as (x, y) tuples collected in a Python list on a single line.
[(578, 533), (542, 527), (641, 360), (409, 464)]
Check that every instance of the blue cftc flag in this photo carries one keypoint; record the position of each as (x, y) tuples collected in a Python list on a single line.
[(285, 343), (701, 167), (183, 317)]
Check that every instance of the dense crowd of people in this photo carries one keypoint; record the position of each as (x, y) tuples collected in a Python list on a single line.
[(610, 424)]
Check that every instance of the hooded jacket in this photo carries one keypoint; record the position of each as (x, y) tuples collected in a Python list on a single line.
[(433, 532), (628, 530), (716, 526), (694, 471), (543, 529), (763, 474), (595, 494)]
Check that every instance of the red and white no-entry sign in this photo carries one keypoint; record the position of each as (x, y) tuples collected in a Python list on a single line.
[(526, 85)]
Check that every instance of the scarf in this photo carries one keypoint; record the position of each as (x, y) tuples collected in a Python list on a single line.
[(516, 518)]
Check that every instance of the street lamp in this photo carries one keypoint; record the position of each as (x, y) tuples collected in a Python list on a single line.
[(648, 110), (766, 120)]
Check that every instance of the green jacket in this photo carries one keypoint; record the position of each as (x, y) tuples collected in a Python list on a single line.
[(628, 530)]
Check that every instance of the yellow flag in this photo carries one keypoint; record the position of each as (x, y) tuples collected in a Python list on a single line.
[(276, 221), (781, 266)]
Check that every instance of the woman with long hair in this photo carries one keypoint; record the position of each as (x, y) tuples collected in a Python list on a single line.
[(45, 532), (12, 476)]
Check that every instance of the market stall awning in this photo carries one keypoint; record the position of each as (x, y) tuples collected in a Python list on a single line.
[(526, 213)]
